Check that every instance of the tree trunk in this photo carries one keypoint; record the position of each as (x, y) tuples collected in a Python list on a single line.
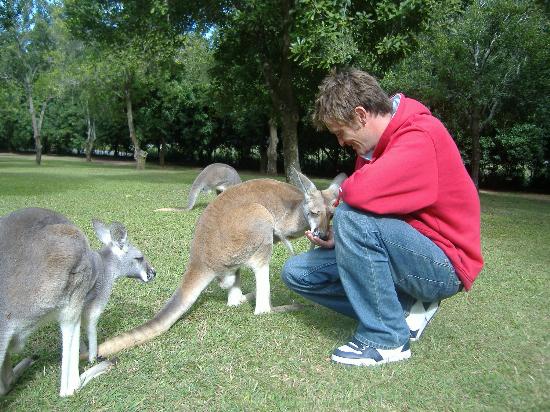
[(263, 160), (90, 139), (289, 129), (162, 151), (282, 95), (36, 123), (475, 130), (289, 107), (272, 148), (139, 155), (35, 129)]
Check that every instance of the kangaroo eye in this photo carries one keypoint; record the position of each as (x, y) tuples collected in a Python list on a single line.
[(312, 213), (139, 259)]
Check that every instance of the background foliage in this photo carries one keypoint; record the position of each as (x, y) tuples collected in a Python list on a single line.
[(204, 79)]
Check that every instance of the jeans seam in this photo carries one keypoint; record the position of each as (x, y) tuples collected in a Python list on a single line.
[(305, 275), (447, 265), (424, 279), (443, 285)]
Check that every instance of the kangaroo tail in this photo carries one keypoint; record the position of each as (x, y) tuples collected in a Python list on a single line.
[(180, 302), (194, 192)]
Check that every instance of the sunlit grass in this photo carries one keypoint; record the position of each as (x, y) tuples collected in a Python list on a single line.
[(487, 349)]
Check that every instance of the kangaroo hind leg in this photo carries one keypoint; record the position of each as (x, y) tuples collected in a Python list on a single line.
[(260, 265), (6, 371), (232, 282), (9, 375)]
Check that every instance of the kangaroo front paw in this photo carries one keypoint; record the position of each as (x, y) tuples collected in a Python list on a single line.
[(236, 299)]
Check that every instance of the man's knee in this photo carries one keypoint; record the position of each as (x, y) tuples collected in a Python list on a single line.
[(289, 273), (353, 227)]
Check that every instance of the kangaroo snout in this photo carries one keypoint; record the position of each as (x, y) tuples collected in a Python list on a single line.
[(147, 274), (151, 273), (317, 233), (321, 235)]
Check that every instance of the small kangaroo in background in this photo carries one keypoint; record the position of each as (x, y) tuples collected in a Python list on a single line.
[(48, 271), (239, 228), (217, 176)]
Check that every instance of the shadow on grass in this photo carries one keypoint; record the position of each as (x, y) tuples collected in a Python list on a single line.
[(35, 183), (9, 163), (146, 177), (48, 162), (332, 325), (31, 183), (110, 325)]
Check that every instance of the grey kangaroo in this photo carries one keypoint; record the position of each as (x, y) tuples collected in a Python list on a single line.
[(239, 228), (217, 176), (48, 271)]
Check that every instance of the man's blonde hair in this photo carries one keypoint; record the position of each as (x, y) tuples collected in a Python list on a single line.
[(342, 91)]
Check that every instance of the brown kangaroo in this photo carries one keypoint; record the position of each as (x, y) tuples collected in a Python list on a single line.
[(239, 228)]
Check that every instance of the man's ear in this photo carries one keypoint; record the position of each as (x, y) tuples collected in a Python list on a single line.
[(362, 115)]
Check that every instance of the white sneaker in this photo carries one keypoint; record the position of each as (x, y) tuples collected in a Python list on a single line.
[(421, 314), (358, 354)]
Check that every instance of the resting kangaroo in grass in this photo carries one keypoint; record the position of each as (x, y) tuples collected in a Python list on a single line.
[(217, 176), (48, 271), (237, 229)]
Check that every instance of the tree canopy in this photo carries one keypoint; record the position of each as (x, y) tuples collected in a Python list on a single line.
[(198, 82)]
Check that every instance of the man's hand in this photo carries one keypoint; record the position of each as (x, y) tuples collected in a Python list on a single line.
[(327, 244)]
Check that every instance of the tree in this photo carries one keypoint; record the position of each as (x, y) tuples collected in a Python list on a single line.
[(514, 155), (133, 38), (291, 44), (178, 109), (26, 56), (254, 44), (468, 64)]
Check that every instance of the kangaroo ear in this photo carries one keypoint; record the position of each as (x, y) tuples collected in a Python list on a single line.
[(302, 182), (332, 192), (118, 234), (101, 231)]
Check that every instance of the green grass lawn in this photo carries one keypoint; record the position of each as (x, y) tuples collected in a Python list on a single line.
[(485, 350)]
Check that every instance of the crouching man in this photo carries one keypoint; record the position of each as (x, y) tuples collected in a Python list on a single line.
[(406, 233)]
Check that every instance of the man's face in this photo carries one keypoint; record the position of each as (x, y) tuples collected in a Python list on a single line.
[(355, 135)]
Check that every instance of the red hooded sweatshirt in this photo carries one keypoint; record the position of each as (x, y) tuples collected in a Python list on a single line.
[(416, 173)]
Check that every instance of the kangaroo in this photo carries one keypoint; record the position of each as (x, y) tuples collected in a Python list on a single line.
[(48, 271), (238, 229), (217, 176)]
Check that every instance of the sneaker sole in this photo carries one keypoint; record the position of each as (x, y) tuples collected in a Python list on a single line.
[(371, 362)]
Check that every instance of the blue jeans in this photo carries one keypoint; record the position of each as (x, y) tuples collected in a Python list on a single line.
[(378, 269)]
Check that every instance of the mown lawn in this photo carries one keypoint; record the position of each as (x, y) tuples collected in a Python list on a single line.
[(485, 350)]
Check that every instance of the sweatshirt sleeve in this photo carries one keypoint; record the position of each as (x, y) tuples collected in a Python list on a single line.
[(404, 179)]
